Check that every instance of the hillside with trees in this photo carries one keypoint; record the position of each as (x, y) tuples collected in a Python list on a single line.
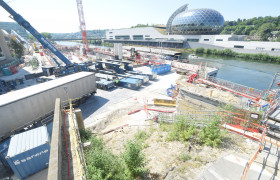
[(78, 35), (257, 28)]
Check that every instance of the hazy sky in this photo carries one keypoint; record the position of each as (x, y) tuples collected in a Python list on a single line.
[(62, 15)]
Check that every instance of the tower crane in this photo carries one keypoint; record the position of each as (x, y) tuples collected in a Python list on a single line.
[(82, 26)]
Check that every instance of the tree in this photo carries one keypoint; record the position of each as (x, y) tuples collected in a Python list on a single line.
[(31, 37), (19, 49), (46, 35), (253, 32), (265, 31), (248, 30)]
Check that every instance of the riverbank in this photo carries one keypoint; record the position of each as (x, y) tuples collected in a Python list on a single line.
[(244, 56)]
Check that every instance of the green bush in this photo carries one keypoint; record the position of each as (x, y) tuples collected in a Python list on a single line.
[(199, 50), (211, 135), (85, 134), (134, 159), (103, 164), (182, 130)]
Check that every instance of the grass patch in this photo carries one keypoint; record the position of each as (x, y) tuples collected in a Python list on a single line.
[(142, 136), (185, 157)]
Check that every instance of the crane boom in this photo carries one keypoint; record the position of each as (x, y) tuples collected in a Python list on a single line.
[(21, 21), (82, 24)]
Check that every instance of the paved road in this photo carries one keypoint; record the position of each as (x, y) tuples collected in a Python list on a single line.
[(105, 101)]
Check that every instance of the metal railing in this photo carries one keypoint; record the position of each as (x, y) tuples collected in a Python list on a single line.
[(250, 162), (199, 118), (236, 87)]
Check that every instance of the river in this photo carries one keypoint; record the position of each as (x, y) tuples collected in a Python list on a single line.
[(253, 74)]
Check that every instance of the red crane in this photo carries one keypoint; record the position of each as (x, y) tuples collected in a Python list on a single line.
[(83, 25)]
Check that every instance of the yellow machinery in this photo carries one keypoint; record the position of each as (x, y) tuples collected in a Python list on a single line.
[(36, 50), (164, 102)]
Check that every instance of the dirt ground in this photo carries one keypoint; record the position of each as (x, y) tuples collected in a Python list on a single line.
[(165, 158)]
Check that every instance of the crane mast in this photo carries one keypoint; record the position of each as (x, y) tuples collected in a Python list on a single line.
[(82, 25), (24, 23)]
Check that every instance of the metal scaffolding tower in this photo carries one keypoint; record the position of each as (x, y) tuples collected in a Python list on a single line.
[(82, 25)]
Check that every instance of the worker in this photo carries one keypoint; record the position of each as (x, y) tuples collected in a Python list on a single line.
[(117, 81)]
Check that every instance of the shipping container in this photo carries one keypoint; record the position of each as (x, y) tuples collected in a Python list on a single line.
[(23, 107), (161, 69), (4, 146), (29, 152)]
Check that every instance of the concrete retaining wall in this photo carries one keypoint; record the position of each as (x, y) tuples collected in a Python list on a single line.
[(54, 171)]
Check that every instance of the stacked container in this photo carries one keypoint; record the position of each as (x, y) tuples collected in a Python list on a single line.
[(29, 152)]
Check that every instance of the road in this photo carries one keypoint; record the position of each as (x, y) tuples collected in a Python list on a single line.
[(107, 101)]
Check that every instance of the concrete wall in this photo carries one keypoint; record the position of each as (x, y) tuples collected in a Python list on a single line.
[(55, 161)]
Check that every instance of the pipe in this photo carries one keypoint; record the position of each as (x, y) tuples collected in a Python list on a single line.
[(150, 110)]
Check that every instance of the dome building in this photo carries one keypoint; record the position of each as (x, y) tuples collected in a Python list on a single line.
[(195, 22)]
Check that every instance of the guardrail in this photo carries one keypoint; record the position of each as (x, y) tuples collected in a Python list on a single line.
[(236, 87), (250, 162)]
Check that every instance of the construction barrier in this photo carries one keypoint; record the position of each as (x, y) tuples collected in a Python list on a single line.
[(164, 102), (236, 87)]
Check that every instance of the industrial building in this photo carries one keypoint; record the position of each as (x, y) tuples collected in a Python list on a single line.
[(191, 29)]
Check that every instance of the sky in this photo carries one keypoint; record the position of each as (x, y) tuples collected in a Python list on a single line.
[(61, 16)]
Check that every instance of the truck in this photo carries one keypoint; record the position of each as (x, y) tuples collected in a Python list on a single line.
[(22, 108)]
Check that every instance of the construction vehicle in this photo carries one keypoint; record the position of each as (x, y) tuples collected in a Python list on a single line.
[(24, 23), (36, 50)]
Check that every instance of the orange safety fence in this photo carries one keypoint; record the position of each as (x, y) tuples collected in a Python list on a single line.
[(241, 123), (250, 162)]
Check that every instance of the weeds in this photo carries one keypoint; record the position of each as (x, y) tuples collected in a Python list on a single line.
[(185, 157), (134, 159), (102, 164), (85, 134), (212, 135), (142, 136), (181, 130)]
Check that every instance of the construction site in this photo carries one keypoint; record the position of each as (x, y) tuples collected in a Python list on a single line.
[(128, 112)]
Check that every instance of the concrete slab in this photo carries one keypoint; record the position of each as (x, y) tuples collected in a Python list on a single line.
[(231, 168)]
